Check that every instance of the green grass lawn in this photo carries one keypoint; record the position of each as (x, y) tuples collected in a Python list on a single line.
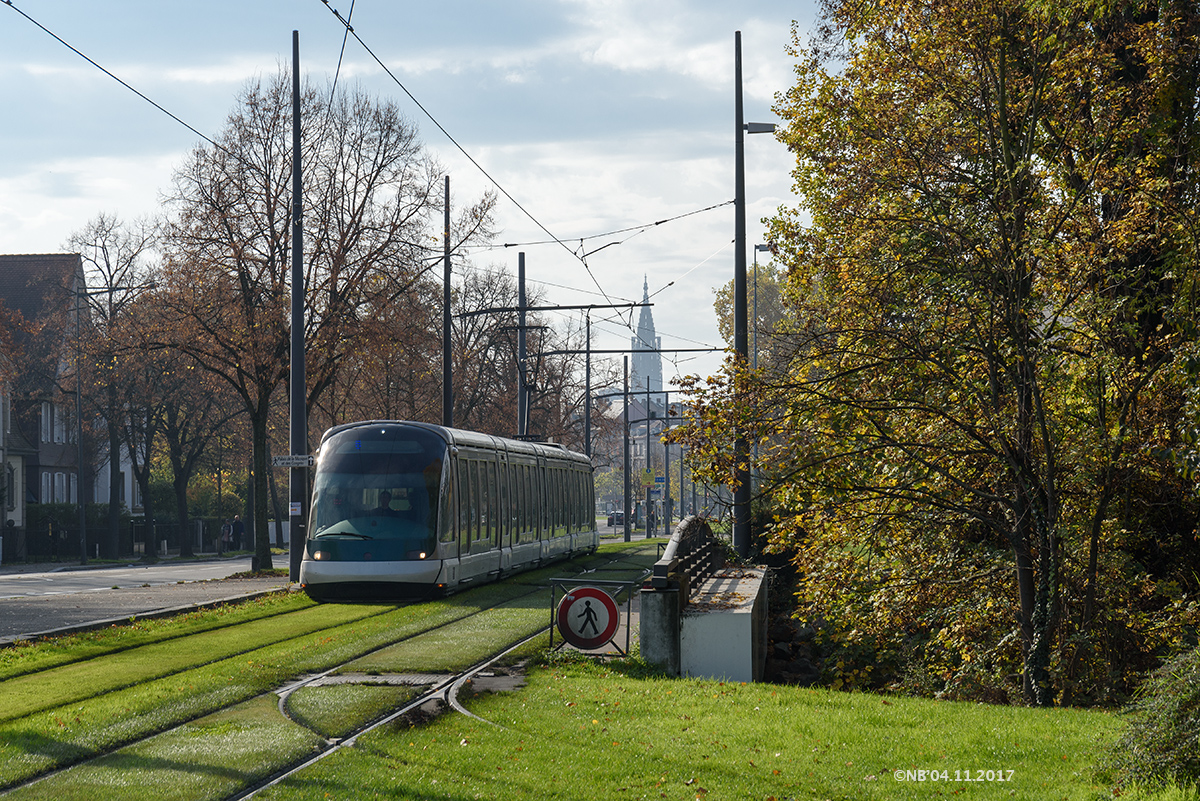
[(66, 702), (578, 730), (586, 731), (33, 656)]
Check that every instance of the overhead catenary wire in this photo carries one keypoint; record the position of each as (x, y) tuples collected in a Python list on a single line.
[(638, 228), (387, 70), (341, 54), (121, 81), (581, 255)]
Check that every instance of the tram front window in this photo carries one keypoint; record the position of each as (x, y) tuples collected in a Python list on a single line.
[(379, 488)]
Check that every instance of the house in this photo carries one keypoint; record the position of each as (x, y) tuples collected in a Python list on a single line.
[(41, 308)]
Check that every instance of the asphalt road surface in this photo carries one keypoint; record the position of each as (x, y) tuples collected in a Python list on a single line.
[(42, 601), (72, 579)]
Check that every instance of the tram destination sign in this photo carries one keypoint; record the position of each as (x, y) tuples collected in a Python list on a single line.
[(293, 460)]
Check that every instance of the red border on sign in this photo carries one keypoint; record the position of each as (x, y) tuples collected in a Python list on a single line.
[(564, 612)]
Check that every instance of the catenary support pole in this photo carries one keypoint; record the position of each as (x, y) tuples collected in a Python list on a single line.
[(447, 365), (628, 465), (522, 399), (587, 388), (298, 430), (741, 452)]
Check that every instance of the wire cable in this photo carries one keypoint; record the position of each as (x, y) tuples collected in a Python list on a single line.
[(341, 54), (89, 60), (460, 148)]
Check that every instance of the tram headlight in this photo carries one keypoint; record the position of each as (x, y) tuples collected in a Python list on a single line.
[(321, 555)]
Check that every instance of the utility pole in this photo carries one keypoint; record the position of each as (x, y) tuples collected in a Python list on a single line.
[(587, 387), (649, 472), (447, 367), (741, 453), (667, 471), (298, 430), (741, 449), (523, 327), (625, 377), (522, 390)]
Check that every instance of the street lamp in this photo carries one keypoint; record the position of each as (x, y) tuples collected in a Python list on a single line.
[(741, 450)]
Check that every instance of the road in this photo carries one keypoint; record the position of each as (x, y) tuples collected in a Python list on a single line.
[(66, 580), (58, 600)]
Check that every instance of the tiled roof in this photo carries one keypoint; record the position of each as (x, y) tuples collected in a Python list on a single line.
[(36, 285), (36, 302)]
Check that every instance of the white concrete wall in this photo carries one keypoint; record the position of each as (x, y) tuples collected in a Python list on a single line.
[(722, 632)]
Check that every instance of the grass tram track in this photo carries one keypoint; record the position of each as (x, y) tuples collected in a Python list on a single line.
[(178, 688)]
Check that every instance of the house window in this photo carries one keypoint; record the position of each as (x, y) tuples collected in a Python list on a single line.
[(47, 422), (74, 488), (60, 424), (60, 487), (10, 494), (47, 495)]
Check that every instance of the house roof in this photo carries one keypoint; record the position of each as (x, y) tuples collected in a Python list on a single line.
[(37, 297), (37, 285)]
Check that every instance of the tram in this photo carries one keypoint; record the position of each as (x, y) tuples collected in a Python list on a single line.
[(406, 509)]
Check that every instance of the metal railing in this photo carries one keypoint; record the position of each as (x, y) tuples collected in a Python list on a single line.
[(692, 555)]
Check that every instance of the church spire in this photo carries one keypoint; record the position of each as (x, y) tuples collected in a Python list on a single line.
[(647, 362)]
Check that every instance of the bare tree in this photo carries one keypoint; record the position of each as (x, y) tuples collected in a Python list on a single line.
[(371, 203), (118, 260)]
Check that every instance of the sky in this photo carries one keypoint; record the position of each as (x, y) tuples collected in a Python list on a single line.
[(594, 115)]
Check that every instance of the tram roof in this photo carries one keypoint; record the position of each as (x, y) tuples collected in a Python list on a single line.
[(466, 437)]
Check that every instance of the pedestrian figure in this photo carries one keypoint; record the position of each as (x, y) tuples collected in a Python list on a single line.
[(238, 530), (225, 543), (589, 618)]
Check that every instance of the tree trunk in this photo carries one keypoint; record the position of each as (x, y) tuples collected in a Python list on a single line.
[(258, 529), (113, 537)]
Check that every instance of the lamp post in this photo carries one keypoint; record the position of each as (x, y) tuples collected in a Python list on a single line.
[(79, 432), (741, 450)]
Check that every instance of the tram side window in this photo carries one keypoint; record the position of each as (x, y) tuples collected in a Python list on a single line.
[(485, 502), (540, 481), (576, 493), (449, 509), (523, 502), (472, 500), (558, 503), (585, 502), (494, 519), (530, 504), (505, 521), (568, 502), (551, 502), (589, 494)]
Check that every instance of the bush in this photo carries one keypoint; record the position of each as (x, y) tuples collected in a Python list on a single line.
[(1161, 747)]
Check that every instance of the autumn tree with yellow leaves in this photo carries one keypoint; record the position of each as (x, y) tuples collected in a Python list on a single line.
[(973, 451)]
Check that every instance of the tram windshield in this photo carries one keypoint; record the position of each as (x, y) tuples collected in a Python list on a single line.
[(380, 483)]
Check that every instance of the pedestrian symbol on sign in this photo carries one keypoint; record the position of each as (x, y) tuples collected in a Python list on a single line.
[(589, 618), (594, 623)]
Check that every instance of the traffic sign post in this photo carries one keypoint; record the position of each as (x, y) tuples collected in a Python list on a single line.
[(587, 617)]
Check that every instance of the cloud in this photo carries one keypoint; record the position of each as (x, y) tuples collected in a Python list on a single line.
[(44, 203)]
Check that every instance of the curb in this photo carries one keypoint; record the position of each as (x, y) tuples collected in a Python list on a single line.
[(152, 614)]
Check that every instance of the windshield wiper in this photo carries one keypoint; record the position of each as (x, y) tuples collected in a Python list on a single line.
[(343, 534)]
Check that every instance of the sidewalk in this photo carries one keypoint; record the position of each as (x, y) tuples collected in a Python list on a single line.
[(61, 565)]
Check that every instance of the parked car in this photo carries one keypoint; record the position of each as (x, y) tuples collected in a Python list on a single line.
[(616, 518)]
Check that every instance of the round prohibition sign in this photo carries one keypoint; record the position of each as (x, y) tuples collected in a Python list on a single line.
[(587, 617)]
